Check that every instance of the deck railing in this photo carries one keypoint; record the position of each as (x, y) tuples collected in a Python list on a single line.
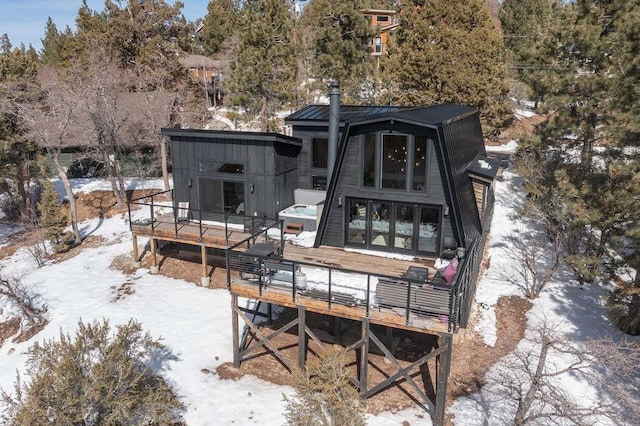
[(230, 221), (333, 285)]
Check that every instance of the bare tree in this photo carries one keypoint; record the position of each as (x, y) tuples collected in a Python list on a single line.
[(528, 379), (30, 305), (99, 83), (619, 374), (51, 125), (536, 259)]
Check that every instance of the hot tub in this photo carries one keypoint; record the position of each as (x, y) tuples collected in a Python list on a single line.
[(305, 214)]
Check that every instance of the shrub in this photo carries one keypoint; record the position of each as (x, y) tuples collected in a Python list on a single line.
[(95, 378), (325, 395), (624, 308)]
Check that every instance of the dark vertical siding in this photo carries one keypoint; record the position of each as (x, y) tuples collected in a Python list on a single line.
[(269, 166), (348, 185), (463, 142)]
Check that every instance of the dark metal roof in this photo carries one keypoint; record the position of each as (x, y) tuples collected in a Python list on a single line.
[(430, 116), (314, 114), (484, 167), (233, 135)]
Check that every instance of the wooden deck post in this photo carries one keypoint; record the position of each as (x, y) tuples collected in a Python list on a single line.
[(443, 361), (302, 337), (205, 274), (152, 243), (235, 331), (135, 249)]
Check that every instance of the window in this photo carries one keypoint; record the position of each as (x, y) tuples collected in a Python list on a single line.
[(378, 45), (429, 229), (404, 227), (231, 168), (319, 182), (383, 19), (419, 163), (380, 220), (319, 153), (369, 161), (394, 161), (356, 227), (394, 226)]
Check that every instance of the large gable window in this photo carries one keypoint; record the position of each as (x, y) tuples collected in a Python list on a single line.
[(395, 161)]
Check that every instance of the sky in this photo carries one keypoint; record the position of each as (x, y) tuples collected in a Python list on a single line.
[(25, 20), (194, 322)]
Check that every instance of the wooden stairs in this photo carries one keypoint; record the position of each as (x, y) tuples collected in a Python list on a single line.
[(293, 228)]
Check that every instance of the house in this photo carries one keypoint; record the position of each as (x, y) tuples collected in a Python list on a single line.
[(208, 73), (389, 181), (405, 180), (385, 22)]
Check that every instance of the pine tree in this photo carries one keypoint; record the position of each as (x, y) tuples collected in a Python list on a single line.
[(52, 217), (263, 76), (444, 51), (18, 153), (592, 178), (57, 47), (527, 27), (219, 25), (339, 45)]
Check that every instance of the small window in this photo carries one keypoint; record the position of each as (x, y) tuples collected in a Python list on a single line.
[(319, 153), (378, 45), (383, 19), (319, 182), (394, 161), (237, 169), (369, 161), (419, 163)]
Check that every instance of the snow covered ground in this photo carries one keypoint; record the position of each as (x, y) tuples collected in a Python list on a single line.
[(195, 323)]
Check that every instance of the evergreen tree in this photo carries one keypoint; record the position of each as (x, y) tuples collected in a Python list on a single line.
[(56, 46), (527, 27), (591, 182), (339, 45), (145, 35), (263, 76), (219, 25), (444, 51), (52, 217), (18, 154)]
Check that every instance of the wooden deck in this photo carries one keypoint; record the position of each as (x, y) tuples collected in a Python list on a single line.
[(166, 229), (325, 257), (390, 317)]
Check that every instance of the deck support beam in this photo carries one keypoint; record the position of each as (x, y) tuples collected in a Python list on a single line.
[(235, 331), (243, 349), (154, 260), (443, 362), (302, 337)]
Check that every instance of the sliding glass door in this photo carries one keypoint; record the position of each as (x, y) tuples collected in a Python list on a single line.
[(393, 226)]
